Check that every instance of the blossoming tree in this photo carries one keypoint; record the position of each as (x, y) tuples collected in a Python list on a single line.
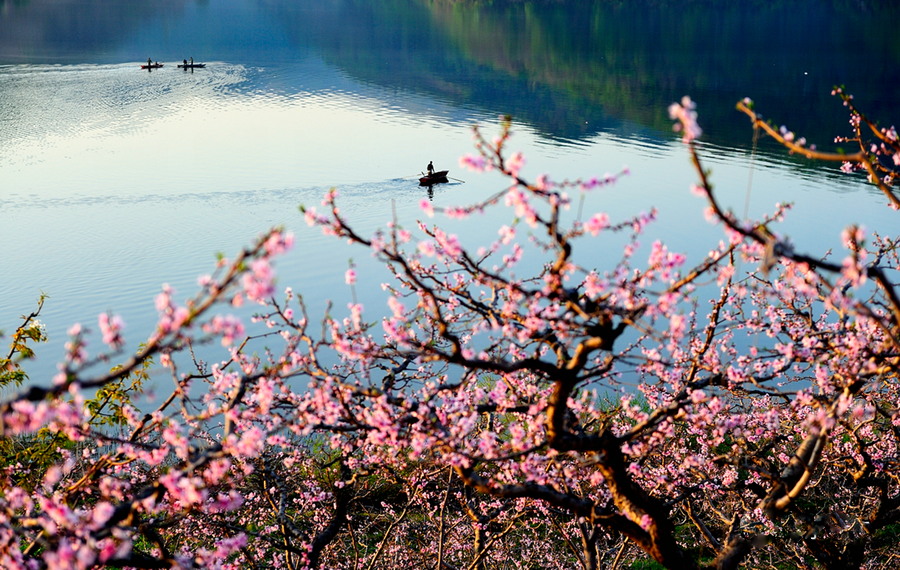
[(696, 415)]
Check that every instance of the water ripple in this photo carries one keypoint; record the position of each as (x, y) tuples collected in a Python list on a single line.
[(42, 101)]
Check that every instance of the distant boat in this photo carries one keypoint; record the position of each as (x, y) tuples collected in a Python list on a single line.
[(434, 178), (191, 65), (152, 66)]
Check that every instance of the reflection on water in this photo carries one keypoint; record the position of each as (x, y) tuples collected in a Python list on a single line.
[(624, 58), (40, 101), (113, 130), (571, 70)]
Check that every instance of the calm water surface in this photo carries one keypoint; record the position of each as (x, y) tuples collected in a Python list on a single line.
[(114, 180)]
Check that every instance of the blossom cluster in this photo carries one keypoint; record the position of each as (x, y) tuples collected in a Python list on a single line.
[(490, 416)]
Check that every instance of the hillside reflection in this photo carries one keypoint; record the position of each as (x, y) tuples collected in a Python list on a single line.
[(571, 70), (576, 69)]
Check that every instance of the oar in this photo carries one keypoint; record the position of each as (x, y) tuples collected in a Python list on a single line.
[(411, 175), (456, 179)]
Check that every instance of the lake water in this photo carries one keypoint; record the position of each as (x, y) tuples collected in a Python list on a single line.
[(115, 180)]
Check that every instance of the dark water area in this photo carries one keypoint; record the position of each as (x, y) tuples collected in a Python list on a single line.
[(570, 69), (573, 69)]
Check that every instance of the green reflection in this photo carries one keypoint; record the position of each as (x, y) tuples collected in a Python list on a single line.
[(629, 59), (570, 69)]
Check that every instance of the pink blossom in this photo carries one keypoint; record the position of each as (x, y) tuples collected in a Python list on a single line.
[(597, 223), (229, 327), (474, 163), (686, 115), (426, 248), (515, 163), (111, 329), (258, 284), (278, 243)]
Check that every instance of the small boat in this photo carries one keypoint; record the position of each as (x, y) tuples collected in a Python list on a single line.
[(434, 178), (191, 65), (152, 66)]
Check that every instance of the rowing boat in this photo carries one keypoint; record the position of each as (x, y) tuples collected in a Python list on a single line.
[(434, 178), (191, 65), (152, 66)]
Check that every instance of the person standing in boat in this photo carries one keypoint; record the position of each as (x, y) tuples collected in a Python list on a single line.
[(430, 168), (149, 62), (192, 61)]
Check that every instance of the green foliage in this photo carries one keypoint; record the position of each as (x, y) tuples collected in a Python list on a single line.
[(887, 537), (645, 564), (31, 331), (27, 457), (107, 406)]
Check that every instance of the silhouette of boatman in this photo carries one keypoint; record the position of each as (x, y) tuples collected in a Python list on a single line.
[(430, 168)]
